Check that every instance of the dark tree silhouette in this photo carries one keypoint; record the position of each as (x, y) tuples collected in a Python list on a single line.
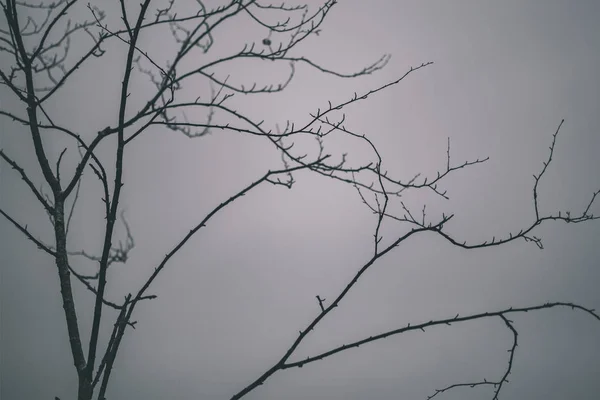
[(46, 49)]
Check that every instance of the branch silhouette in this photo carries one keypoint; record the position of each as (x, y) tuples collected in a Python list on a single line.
[(37, 40)]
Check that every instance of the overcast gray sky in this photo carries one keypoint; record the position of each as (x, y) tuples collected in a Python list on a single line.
[(504, 75)]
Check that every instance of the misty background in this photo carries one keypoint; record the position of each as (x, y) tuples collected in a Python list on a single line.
[(234, 298)]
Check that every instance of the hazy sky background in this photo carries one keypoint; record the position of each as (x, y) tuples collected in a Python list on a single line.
[(230, 303)]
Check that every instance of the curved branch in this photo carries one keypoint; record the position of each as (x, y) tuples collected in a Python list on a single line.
[(446, 321)]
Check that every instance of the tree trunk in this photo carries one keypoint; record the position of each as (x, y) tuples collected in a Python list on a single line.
[(85, 389)]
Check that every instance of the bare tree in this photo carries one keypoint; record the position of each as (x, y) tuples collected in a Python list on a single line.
[(39, 39)]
